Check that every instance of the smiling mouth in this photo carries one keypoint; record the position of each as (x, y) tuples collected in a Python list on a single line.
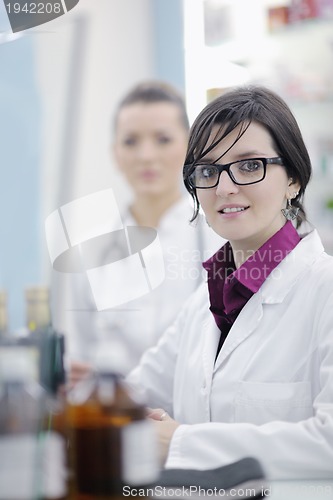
[(228, 210)]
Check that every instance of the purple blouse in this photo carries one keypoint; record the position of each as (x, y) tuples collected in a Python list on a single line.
[(231, 288)]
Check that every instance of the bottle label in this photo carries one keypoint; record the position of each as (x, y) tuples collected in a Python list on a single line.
[(18, 470), (31, 465), (54, 472), (140, 464)]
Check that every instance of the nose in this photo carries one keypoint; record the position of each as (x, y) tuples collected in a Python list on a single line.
[(226, 185), (146, 151)]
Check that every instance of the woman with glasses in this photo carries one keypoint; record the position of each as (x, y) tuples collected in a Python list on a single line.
[(247, 367)]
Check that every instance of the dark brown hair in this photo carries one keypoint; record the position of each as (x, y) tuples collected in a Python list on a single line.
[(154, 91)]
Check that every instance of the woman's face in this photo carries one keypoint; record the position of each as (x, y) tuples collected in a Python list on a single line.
[(150, 147), (260, 204)]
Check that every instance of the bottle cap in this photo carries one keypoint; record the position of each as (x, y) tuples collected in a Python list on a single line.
[(111, 358), (38, 308)]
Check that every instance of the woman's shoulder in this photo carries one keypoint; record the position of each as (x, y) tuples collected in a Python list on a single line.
[(319, 264), (307, 268), (314, 247)]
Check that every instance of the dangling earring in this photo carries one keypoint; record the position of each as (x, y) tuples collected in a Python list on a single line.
[(290, 212)]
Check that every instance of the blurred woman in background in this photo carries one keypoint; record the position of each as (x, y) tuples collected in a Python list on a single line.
[(150, 141)]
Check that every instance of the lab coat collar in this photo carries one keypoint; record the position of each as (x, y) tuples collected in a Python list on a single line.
[(179, 210), (285, 275)]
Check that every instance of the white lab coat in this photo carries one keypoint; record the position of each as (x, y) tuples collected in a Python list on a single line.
[(270, 392), (138, 324)]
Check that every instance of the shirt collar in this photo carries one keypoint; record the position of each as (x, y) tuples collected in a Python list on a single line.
[(222, 259), (253, 272)]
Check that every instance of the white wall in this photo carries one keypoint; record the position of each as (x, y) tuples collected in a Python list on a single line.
[(114, 49)]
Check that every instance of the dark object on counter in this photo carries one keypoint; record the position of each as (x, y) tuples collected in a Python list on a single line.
[(49, 349), (243, 479)]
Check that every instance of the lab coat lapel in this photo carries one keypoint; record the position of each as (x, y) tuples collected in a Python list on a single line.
[(211, 335), (246, 322)]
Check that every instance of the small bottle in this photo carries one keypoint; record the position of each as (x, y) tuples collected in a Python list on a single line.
[(50, 343), (32, 448), (38, 314), (51, 349), (21, 402), (113, 443), (3, 313), (54, 480)]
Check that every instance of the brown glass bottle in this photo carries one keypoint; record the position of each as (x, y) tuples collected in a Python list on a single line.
[(113, 444)]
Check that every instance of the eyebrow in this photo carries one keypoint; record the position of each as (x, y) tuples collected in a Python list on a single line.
[(245, 155), (251, 153)]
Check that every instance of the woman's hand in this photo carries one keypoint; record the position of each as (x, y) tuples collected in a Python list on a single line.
[(165, 428), (77, 372)]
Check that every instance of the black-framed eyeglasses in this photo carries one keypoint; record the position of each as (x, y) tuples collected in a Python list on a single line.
[(241, 172)]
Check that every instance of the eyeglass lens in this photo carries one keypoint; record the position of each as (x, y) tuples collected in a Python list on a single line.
[(242, 172)]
